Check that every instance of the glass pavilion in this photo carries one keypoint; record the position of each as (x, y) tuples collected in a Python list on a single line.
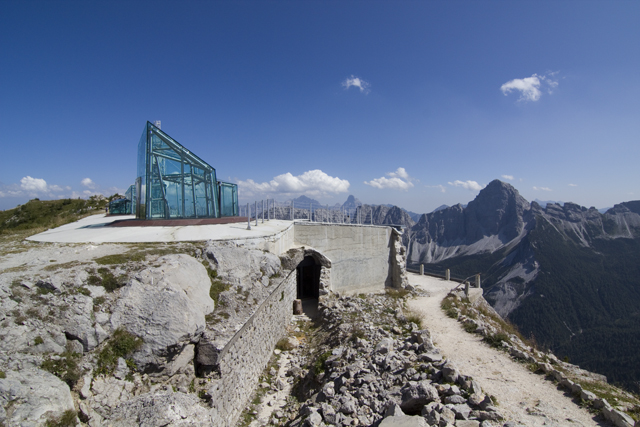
[(172, 182)]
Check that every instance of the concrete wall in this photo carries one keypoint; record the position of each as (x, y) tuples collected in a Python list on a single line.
[(276, 244), (246, 355), (361, 256)]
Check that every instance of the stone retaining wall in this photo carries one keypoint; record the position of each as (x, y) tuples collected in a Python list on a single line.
[(246, 355)]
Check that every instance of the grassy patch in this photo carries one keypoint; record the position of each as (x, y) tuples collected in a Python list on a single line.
[(396, 293), (284, 345), (106, 279), (121, 344), (120, 258), (67, 419), (38, 340), (84, 291), (62, 266), (449, 307), (217, 285), (414, 318), (3, 374)]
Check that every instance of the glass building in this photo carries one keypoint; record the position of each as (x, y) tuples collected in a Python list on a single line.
[(172, 182)]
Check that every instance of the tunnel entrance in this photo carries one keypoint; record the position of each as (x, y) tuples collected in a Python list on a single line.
[(308, 279)]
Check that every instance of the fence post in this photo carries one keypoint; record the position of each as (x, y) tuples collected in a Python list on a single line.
[(478, 281), (263, 211), (422, 269), (466, 289), (256, 209), (248, 218), (447, 274)]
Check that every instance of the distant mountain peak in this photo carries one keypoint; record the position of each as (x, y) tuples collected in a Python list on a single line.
[(351, 202)]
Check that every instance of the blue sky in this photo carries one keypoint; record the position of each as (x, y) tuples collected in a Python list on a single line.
[(417, 104)]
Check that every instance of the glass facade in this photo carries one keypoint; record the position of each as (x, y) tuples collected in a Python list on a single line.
[(120, 207), (172, 182)]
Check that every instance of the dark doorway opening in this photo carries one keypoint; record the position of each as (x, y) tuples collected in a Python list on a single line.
[(308, 275)]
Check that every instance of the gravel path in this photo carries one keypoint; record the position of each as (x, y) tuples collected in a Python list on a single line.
[(522, 396)]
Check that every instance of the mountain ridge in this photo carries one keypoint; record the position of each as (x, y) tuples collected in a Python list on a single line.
[(550, 270)]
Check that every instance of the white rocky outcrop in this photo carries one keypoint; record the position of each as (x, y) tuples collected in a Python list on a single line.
[(165, 306), (240, 266), (31, 397)]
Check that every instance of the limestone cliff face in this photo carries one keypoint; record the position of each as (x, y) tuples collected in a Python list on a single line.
[(497, 217)]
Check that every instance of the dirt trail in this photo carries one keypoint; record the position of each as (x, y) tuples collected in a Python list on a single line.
[(523, 396)]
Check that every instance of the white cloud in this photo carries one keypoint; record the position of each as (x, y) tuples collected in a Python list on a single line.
[(573, 185), (509, 177), (87, 182), (529, 87), (442, 188), (35, 185), (357, 82), (469, 185), (542, 189), (313, 183), (399, 180)]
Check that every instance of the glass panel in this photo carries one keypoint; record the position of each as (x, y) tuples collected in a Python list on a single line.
[(228, 199)]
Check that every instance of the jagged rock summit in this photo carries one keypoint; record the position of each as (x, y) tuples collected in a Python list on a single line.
[(351, 203)]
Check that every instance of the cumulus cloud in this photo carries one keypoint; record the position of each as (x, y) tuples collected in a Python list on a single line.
[(542, 189), (398, 180), (469, 185), (356, 82), (530, 87), (573, 185), (314, 183), (509, 177), (87, 182), (34, 185)]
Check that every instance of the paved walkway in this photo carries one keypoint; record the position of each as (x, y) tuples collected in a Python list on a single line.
[(523, 396), (95, 229)]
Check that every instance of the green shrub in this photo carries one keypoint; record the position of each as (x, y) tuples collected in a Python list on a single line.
[(496, 339), (38, 340), (121, 344), (318, 366), (66, 367), (3, 374), (470, 327)]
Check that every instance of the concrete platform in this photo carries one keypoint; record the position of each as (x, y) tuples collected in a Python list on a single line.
[(96, 229)]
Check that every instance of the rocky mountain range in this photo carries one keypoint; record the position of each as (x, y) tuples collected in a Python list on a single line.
[(567, 276)]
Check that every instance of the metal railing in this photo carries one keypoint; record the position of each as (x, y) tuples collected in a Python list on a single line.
[(444, 273), (266, 210)]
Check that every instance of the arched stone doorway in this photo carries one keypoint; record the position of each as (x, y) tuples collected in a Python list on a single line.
[(308, 279)]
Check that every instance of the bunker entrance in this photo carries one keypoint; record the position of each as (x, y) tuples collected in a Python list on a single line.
[(308, 286), (308, 275)]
